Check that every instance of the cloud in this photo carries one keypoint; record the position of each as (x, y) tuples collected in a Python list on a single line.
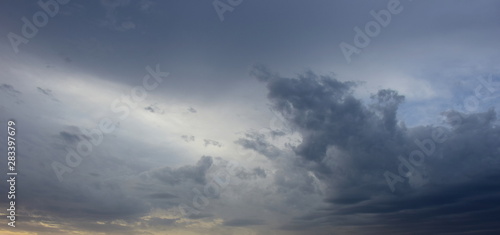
[(196, 173), (256, 172), (212, 142), (258, 143), (162, 196), (317, 164), (154, 108), (9, 89), (47, 92), (69, 137), (243, 222), (161, 222), (112, 18), (364, 140), (188, 138)]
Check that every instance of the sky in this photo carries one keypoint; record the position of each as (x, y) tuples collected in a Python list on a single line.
[(250, 117)]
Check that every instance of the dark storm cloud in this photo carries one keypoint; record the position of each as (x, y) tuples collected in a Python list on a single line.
[(327, 114), (452, 186), (458, 208)]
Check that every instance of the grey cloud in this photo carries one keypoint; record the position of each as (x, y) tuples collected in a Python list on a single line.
[(244, 174), (153, 108), (212, 142), (243, 222), (325, 112), (196, 173), (47, 92), (162, 196), (364, 140), (69, 137), (199, 216), (188, 138), (260, 172), (333, 181), (9, 89), (161, 222), (257, 142), (262, 73), (275, 133), (106, 201), (439, 208)]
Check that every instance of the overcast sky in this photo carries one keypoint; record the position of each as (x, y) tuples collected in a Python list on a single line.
[(252, 117)]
